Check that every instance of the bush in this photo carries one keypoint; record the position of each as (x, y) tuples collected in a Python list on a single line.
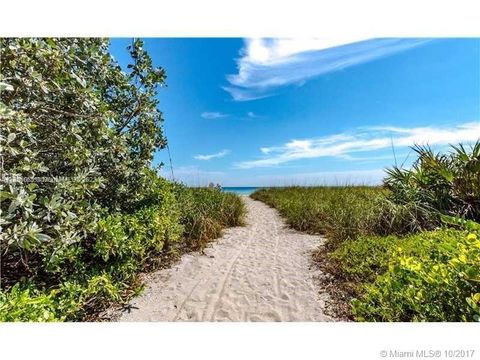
[(28, 304), (440, 281), (361, 260), (438, 184), (78, 135)]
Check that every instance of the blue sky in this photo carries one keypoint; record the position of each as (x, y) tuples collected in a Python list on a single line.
[(263, 112)]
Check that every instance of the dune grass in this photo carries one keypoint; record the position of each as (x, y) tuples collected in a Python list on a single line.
[(389, 249), (205, 212), (340, 213)]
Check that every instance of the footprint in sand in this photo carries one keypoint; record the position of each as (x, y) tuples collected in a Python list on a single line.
[(259, 272)]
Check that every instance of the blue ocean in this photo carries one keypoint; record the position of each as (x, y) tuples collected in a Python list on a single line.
[(240, 190)]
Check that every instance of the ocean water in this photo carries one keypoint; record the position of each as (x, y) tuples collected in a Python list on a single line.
[(240, 190)]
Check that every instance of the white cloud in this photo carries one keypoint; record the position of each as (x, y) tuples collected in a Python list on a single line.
[(363, 140), (213, 115), (401, 158), (212, 156), (266, 65)]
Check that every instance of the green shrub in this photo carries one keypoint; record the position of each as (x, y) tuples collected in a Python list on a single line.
[(77, 138), (437, 183), (361, 260), (439, 281), (25, 302)]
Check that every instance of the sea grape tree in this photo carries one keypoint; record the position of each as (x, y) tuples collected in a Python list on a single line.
[(77, 136)]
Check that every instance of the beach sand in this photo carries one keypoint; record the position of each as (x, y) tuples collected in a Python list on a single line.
[(259, 272)]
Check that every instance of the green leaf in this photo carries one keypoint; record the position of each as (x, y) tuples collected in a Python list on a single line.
[(43, 237), (4, 195), (79, 80), (11, 137), (5, 87)]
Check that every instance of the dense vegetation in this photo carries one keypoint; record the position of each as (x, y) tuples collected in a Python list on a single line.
[(407, 251), (82, 209), (338, 212)]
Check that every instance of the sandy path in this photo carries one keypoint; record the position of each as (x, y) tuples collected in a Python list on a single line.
[(260, 272)]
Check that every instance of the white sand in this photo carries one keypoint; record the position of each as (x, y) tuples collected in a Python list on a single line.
[(260, 272)]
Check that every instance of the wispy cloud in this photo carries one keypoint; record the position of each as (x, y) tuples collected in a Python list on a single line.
[(363, 140), (213, 115), (266, 65), (364, 159), (253, 115), (212, 156)]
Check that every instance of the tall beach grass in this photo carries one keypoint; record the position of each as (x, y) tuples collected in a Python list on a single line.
[(390, 250)]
